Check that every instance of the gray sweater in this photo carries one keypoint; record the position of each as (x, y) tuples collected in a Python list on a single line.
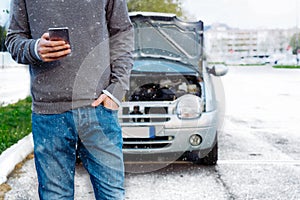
[(101, 37)]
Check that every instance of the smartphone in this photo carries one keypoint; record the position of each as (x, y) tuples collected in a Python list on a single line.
[(61, 33)]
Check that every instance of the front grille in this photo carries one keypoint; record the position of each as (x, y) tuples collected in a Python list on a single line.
[(147, 143), (143, 112)]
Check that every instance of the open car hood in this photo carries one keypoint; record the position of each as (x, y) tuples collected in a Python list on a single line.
[(159, 35)]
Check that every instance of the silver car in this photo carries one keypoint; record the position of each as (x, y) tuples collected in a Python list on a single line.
[(170, 109)]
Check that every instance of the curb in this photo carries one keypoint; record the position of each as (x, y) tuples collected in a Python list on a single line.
[(14, 155)]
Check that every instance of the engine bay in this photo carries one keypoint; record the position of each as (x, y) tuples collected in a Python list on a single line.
[(162, 87)]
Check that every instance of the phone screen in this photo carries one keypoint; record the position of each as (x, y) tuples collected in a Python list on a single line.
[(61, 33)]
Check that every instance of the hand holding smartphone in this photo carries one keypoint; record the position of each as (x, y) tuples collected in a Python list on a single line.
[(61, 33), (49, 50)]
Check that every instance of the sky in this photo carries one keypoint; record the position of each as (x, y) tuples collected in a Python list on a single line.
[(235, 13), (246, 13)]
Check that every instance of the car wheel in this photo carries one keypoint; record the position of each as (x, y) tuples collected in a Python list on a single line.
[(210, 159)]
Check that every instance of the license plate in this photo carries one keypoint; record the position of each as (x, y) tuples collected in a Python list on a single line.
[(138, 132)]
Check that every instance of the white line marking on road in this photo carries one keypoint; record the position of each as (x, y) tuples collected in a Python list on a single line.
[(260, 162), (223, 162)]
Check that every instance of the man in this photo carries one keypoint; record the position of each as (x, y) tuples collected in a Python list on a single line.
[(136, 111), (76, 89)]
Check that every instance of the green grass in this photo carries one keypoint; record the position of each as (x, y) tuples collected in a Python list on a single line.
[(216, 63), (252, 65), (15, 123), (287, 66)]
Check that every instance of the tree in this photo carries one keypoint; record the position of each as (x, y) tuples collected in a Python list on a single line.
[(295, 43), (164, 6), (3, 33), (2, 38)]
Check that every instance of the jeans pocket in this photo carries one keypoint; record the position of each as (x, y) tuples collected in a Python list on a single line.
[(108, 109)]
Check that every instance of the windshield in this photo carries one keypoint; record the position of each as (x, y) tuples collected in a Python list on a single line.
[(168, 37)]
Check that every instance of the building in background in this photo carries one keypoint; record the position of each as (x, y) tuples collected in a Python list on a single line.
[(247, 46)]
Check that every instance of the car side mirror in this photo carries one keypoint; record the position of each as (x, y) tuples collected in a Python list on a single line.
[(217, 70)]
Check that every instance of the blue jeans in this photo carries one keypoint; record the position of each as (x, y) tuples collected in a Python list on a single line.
[(96, 136)]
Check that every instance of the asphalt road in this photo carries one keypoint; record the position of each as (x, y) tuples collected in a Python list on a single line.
[(259, 149)]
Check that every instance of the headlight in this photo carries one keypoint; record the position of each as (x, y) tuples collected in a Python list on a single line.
[(189, 107)]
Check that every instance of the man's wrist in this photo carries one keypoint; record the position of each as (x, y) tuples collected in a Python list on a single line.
[(112, 97)]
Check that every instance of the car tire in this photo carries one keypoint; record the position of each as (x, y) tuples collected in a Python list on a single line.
[(210, 159)]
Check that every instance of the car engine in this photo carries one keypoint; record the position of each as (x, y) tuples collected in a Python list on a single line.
[(162, 87)]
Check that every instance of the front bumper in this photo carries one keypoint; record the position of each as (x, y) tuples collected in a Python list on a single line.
[(170, 137), (171, 141)]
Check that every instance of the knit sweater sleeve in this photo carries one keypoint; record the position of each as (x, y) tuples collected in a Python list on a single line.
[(121, 46), (19, 41)]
